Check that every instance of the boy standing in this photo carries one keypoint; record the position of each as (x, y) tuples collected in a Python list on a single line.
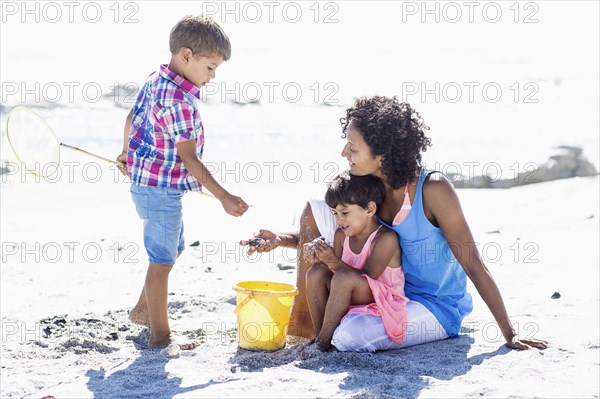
[(163, 144)]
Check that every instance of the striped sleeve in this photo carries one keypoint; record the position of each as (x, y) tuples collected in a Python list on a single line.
[(139, 109), (179, 122)]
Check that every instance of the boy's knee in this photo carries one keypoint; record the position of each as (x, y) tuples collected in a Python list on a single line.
[(159, 268)]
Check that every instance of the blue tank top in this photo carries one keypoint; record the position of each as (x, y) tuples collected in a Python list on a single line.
[(433, 275)]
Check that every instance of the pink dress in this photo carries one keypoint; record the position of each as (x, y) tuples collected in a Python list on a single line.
[(388, 289)]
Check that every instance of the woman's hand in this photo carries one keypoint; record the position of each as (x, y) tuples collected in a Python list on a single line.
[(263, 241), (516, 343), (441, 201)]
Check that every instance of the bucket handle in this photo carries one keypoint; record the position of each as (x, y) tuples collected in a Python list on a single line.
[(243, 303)]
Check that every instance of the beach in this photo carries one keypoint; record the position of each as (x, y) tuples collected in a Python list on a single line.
[(65, 330)]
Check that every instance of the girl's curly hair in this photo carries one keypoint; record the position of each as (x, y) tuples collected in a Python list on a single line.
[(391, 129)]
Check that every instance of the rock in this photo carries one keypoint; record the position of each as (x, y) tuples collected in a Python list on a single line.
[(556, 295), (566, 163), (576, 151), (232, 300), (195, 244), (122, 94), (113, 336), (60, 321), (585, 169), (4, 170), (281, 266), (47, 332), (254, 242)]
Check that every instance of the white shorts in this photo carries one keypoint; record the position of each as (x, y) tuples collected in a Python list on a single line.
[(366, 333), (324, 218)]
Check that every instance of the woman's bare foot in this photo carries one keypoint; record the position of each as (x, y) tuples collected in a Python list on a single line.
[(310, 349), (139, 316), (300, 321)]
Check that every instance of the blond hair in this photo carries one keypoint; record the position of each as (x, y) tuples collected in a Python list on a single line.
[(202, 35)]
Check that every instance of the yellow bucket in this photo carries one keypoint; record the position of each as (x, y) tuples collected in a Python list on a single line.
[(263, 311)]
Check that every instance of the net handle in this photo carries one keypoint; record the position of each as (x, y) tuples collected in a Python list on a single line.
[(22, 108), (89, 153), (116, 163)]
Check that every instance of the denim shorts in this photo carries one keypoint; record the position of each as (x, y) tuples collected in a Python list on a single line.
[(161, 210)]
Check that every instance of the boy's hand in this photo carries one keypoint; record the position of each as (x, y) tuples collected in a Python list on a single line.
[(263, 241), (233, 205), (122, 163)]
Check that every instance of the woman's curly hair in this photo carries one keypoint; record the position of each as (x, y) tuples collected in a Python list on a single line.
[(391, 129)]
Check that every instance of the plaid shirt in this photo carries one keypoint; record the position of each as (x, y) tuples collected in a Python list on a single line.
[(165, 113)]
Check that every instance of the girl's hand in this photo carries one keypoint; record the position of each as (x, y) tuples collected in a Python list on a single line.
[(517, 343), (322, 251), (263, 241)]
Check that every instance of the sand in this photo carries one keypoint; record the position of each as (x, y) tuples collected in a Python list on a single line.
[(65, 331)]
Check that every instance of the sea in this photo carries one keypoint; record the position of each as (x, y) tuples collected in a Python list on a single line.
[(500, 84)]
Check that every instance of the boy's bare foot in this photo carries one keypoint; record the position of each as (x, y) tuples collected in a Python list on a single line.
[(173, 340), (139, 316), (175, 345)]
